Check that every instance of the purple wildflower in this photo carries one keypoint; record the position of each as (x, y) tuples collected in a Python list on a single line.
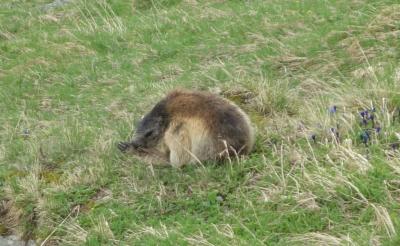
[(333, 109)]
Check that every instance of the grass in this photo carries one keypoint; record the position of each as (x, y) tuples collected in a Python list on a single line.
[(74, 79)]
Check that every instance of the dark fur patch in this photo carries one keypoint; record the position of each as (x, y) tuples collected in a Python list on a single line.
[(231, 127), (158, 111), (152, 127)]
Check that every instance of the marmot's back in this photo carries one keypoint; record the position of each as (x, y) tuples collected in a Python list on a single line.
[(227, 124)]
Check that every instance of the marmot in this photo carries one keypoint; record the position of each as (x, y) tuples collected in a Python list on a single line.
[(192, 126)]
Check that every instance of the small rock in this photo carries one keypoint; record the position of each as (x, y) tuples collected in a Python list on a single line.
[(220, 198)]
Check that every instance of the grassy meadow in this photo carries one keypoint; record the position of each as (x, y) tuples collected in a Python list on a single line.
[(320, 80)]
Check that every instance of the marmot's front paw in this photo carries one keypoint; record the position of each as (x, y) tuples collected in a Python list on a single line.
[(123, 146)]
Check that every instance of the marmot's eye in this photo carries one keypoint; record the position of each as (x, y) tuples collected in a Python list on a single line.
[(148, 134)]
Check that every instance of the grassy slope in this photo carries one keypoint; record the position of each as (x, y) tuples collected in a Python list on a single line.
[(73, 81)]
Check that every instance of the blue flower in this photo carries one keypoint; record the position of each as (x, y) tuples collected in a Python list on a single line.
[(364, 114), (333, 109), (365, 137)]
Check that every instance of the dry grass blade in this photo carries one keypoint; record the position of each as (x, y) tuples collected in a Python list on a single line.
[(383, 220), (320, 239)]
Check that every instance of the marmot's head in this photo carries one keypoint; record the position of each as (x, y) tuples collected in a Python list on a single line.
[(151, 128), (148, 132)]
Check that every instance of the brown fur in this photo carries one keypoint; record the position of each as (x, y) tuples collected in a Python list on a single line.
[(198, 126)]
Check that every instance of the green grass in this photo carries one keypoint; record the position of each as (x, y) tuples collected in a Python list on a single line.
[(73, 80)]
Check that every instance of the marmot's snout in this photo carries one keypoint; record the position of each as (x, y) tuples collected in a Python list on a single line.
[(134, 145)]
